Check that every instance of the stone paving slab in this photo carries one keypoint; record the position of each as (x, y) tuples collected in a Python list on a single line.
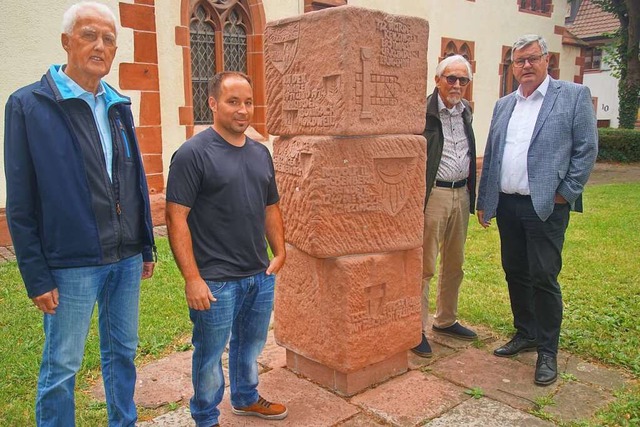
[(181, 417), (410, 399), (439, 351), (575, 401), (486, 412), (273, 356), (502, 379), (530, 357), (309, 405), (363, 420), (595, 374), (7, 254), (164, 381)]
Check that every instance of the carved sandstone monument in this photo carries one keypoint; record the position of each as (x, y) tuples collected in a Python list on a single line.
[(346, 93)]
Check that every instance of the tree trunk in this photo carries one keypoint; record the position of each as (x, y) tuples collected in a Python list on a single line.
[(630, 88)]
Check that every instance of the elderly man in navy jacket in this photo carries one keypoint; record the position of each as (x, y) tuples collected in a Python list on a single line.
[(541, 148), (79, 216)]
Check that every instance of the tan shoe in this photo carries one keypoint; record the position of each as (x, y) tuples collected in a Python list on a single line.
[(263, 409)]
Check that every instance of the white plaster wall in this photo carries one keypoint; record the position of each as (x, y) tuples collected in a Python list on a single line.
[(30, 34), (491, 25), (605, 87), (171, 76), (278, 9)]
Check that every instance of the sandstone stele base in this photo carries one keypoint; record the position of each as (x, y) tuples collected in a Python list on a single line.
[(351, 383), (349, 312)]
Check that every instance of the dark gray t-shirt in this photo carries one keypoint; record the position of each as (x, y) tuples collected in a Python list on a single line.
[(227, 189)]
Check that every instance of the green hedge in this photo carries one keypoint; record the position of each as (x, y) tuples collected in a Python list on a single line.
[(619, 145)]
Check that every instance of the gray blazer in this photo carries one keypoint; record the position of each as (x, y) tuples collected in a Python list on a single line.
[(563, 149)]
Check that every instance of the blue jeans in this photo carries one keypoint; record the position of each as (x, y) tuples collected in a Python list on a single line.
[(242, 311), (116, 288)]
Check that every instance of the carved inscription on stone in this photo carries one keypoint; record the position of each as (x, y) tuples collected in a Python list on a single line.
[(360, 302), (283, 46), (348, 189), (388, 312), (305, 105), (351, 195), (344, 71), (393, 173), (399, 44)]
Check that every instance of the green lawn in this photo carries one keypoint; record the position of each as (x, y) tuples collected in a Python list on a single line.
[(600, 279), (164, 324)]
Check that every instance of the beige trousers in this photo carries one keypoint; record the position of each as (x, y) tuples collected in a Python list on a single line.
[(446, 220)]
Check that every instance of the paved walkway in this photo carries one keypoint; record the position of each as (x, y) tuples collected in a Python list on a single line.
[(438, 391)]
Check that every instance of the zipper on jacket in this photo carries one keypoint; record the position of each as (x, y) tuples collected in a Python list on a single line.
[(115, 186), (125, 141)]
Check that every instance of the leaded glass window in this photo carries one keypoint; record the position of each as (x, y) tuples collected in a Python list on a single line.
[(203, 64), (218, 34), (235, 44)]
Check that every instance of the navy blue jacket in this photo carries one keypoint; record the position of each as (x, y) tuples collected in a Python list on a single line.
[(62, 209)]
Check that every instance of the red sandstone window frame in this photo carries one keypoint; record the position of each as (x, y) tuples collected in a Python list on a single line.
[(466, 48), (536, 7), (590, 54), (508, 83), (254, 17)]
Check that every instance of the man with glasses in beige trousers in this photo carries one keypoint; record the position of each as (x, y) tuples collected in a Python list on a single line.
[(450, 196)]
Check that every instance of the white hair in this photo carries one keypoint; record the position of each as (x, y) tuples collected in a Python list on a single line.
[(77, 10), (451, 60), (526, 40)]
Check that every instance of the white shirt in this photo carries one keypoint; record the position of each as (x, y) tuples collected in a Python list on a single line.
[(514, 178), (454, 164)]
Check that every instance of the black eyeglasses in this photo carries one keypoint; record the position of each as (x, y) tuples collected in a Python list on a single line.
[(533, 60), (452, 80)]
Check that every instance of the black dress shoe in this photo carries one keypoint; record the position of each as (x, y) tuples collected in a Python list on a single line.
[(546, 370), (423, 349), (515, 346)]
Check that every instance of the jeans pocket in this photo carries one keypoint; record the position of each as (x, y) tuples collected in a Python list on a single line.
[(216, 287)]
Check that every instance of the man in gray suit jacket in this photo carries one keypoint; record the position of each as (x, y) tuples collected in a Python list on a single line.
[(541, 148)]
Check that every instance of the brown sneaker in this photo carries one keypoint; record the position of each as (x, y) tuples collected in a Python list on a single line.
[(263, 409)]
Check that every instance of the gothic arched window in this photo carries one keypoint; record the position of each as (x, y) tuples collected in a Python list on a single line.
[(218, 36), (465, 48), (203, 62)]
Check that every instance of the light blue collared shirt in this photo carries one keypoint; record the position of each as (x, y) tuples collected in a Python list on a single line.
[(98, 104)]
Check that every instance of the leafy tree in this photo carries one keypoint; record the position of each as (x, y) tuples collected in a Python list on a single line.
[(626, 59)]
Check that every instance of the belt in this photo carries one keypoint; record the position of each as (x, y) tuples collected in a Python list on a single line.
[(515, 195), (454, 184)]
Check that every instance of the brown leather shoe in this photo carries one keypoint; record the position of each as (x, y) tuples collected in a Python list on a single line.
[(263, 409)]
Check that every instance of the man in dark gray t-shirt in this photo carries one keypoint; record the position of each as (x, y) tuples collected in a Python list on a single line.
[(222, 200), (227, 189)]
